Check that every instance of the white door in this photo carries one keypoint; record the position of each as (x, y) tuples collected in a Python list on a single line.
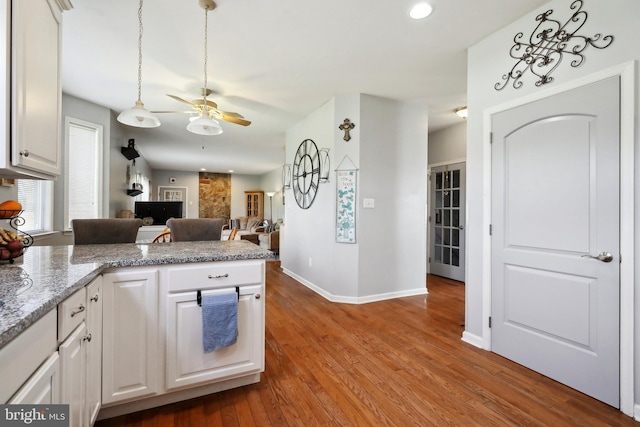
[(555, 205), (446, 247)]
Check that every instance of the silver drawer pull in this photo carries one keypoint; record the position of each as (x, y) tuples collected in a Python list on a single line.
[(87, 338), (78, 311), (221, 276), (94, 298)]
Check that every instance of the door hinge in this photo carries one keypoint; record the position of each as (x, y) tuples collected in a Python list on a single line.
[(489, 321), (429, 260), (490, 137), (490, 229), (429, 218)]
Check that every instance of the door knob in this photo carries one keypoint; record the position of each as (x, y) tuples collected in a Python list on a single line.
[(602, 256)]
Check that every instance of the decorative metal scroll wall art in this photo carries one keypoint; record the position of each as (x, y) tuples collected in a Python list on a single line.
[(548, 44)]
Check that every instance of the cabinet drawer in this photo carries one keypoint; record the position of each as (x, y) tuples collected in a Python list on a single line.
[(71, 312), (20, 358), (215, 275)]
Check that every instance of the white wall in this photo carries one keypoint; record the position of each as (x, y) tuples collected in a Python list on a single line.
[(487, 62), (448, 145), (389, 147), (190, 180), (240, 184), (272, 182)]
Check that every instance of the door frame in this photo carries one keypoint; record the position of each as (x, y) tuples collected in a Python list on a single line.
[(430, 167), (626, 71)]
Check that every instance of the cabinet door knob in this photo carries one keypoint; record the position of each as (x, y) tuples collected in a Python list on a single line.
[(25, 153), (94, 298), (258, 296), (78, 311), (87, 338)]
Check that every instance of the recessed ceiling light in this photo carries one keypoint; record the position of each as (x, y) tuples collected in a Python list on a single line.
[(230, 170), (420, 11), (203, 169)]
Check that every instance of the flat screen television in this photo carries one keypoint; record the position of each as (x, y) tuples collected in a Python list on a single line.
[(159, 211)]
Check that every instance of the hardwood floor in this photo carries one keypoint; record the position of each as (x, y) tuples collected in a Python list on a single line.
[(398, 363)]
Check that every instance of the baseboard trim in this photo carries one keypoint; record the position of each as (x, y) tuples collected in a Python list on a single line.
[(474, 340), (354, 300)]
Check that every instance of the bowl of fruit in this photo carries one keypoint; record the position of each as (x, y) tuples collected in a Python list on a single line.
[(10, 209), (12, 245)]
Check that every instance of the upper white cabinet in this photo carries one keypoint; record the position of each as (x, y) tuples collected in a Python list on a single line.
[(30, 117)]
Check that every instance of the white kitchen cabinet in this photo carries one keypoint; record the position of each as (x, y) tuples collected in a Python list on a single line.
[(73, 368), (130, 335), (21, 359), (80, 328), (93, 383), (44, 385), (30, 122), (186, 362)]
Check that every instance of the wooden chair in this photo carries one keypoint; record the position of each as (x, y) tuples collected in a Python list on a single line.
[(232, 235), (163, 237)]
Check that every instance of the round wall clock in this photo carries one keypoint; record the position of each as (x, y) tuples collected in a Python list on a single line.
[(306, 173)]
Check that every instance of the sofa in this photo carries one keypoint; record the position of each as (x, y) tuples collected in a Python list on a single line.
[(270, 241), (245, 224)]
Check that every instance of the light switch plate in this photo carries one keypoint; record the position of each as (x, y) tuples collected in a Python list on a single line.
[(368, 203)]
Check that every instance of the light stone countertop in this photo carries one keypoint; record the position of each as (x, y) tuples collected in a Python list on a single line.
[(46, 275)]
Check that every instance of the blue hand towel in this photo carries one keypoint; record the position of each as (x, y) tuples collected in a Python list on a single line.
[(219, 321)]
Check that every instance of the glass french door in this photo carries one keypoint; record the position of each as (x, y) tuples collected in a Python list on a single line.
[(446, 247)]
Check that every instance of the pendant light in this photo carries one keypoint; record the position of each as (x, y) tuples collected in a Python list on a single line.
[(138, 116), (204, 124)]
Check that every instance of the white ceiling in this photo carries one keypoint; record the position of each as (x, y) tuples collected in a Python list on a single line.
[(273, 62)]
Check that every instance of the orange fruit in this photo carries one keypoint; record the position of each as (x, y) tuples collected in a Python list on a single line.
[(9, 208)]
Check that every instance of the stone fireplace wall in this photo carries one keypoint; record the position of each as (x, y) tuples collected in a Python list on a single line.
[(215, 195)]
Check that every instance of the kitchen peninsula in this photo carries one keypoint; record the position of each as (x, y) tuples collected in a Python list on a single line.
[(126, 316)]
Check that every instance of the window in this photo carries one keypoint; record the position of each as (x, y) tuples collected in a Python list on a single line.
[(36, 198), (83, 195)]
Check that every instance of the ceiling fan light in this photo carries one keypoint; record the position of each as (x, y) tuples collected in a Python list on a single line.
[(204, 125), (139, 117), (461, 112)]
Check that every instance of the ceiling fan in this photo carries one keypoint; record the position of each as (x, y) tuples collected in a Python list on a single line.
[(205, 122), (208, 107)]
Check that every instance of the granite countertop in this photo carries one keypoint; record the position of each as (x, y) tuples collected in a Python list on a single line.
[(46, 275)]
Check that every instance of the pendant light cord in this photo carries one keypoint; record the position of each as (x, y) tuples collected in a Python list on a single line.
[(206, 56), (140, 51)]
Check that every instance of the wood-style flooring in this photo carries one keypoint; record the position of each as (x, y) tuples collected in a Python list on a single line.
[(397, 363)]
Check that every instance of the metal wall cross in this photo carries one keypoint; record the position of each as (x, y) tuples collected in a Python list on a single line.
[(346, 127)]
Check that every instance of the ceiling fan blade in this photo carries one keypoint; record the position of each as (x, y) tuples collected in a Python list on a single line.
[(230, 114), (176, 111), (231, 119), (210, 104), (184, 101)]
